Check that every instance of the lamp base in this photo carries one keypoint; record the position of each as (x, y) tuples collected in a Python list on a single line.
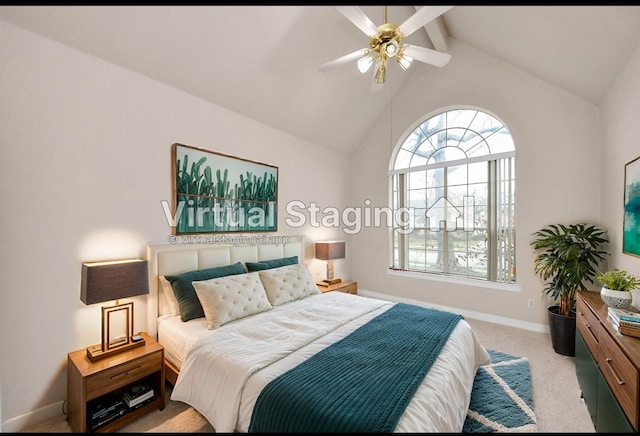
[(329, 282), (95, 353)]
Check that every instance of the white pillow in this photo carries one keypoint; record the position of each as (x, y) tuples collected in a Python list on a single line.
[(171, 307), (288, 283), (226, 299)]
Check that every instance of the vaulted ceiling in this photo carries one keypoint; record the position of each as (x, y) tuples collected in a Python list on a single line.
[(262, 61)]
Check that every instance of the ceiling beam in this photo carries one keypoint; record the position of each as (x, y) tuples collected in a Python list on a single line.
[(437, 32)]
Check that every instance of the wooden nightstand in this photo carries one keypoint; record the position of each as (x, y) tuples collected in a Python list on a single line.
[(95, 381), (344, 286)]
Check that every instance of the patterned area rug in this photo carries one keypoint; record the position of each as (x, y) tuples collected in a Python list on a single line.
[(501, 398)]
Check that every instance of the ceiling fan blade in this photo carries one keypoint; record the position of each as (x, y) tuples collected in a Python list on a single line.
[(344, 59), (422, 17), (426, 55), (357, 17)]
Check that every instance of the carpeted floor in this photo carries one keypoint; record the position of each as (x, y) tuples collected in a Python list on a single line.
[(501, 398)]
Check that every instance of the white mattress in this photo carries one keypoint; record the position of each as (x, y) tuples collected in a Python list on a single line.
[(224, 370), (177, 336)]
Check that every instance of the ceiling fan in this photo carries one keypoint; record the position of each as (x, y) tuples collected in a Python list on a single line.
[(385, 42)]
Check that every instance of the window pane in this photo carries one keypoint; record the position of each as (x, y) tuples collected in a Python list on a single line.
[(403, 159), (417, 198), (417, 180), (434, 251), (435, 178), (433, 195), (501, 141), (479, 193), (434, 124), (446, 154), (420, 218), (456, 195), (478, 172), (457, 175)]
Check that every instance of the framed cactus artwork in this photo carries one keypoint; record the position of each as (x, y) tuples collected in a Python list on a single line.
[(219, 193), (631, 221)]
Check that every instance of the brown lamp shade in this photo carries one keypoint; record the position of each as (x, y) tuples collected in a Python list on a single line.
[(112, 280), (330, 250)]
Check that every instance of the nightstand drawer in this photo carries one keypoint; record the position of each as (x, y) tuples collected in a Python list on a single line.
[(121, 375), (350, 289)]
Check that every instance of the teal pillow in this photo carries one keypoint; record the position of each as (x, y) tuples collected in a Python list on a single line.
[(190, 307), (273, 263)]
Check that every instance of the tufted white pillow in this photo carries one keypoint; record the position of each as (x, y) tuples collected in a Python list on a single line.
[(172, 307), (226, 299), (288, 283)]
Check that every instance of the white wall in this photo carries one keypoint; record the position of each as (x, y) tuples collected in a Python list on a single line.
[(84, 166), (557, 143), (620, 113), (85, 163)]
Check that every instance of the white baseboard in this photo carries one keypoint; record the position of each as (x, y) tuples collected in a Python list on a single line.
[(19, 423), (510, 322)]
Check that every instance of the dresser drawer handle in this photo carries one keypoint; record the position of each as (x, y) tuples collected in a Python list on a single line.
[(620, 382), (126, 373)]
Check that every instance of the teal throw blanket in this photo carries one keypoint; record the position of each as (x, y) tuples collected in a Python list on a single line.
[(363, 382)]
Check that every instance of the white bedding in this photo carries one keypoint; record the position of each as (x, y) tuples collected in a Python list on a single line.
[(222, 371), (177, 336)]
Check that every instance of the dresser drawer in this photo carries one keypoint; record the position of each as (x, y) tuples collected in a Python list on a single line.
[(621, 376), (121, 375), (587, 323)]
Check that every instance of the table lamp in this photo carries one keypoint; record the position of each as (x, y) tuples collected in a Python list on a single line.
[(329, 251), (112, 280)]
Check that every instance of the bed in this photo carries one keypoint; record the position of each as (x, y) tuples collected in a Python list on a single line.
[(226, 371)]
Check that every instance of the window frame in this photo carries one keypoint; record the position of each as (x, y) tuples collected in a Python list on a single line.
[(494, 162)]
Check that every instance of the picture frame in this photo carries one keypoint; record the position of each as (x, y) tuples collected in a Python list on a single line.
[(219, 193), (631, 220), (117, 326)]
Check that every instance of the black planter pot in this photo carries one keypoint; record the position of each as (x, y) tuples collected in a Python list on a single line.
[(563, 332)]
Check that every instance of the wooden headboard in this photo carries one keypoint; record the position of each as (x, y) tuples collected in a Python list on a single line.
[(211, 251)]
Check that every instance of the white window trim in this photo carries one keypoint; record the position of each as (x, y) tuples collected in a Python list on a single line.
[(450, 163), (501, 286)]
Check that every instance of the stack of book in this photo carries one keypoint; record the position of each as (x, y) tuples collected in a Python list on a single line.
[(627, 322), (137, 395)]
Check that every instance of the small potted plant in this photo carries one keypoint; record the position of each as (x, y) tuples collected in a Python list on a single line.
[(616, 287)]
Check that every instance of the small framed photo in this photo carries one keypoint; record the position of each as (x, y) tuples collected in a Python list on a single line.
[(117, 326), (631, 221)]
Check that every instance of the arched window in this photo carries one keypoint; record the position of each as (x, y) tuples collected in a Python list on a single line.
[(453, 179)]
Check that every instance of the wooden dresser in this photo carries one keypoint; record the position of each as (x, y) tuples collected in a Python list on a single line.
[(607, 366)]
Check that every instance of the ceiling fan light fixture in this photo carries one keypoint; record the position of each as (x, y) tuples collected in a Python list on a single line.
[(380, 74), (403, 60), (391, 48), (365, 62)]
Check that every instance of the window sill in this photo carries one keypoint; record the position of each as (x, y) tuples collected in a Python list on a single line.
[(512, 287)]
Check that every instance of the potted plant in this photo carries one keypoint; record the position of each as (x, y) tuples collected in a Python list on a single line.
[(616, 287), (567, 256)]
